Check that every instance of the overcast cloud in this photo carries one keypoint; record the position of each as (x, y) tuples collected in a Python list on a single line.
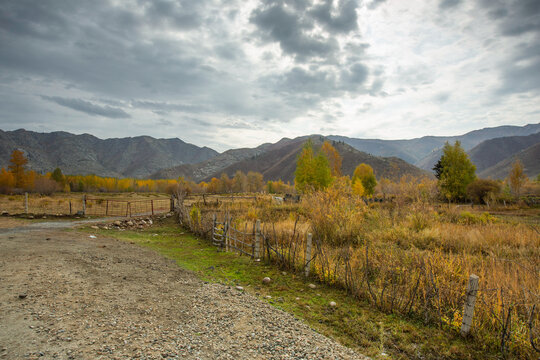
[(234, 73)]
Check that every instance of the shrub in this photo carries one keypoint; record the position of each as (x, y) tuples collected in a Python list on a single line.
[(481, 190)]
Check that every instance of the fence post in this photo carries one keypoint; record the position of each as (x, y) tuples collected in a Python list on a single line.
[(468, 311), (308, 254), (152, 204), (69, 207), (84, 205), (26, 203), (107, 208), (213, 227), (227, 229), (172, 203), (257, 248)]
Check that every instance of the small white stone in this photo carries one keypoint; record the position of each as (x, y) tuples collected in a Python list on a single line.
[(239, 288), (333, 304), (266, 280), (312, 286)]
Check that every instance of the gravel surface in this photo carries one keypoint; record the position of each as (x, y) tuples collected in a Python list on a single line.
[(64, 295)]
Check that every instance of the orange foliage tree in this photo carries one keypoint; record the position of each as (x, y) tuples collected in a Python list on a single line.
[(334, 159), (17, 168)]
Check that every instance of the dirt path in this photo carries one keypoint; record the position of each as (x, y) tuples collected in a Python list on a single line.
[(64, 295)]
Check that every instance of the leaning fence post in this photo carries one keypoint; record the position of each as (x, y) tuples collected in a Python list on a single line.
[(84, 205), (468, 311), (308, 254), (26, 203), (257, 248)]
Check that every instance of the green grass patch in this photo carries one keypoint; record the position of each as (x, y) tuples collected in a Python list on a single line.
[(352, 322)]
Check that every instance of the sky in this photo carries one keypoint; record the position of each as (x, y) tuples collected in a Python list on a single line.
[(238, 73)]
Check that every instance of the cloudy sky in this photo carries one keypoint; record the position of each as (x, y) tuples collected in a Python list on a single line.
[(233, 73)]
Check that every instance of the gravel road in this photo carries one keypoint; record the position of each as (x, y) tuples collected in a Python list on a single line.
[(64, 295)]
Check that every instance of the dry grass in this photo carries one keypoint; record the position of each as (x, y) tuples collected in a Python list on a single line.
[(414, 259)]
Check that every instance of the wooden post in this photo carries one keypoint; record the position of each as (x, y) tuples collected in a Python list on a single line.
[(107, 208), (257, 248), (227, 229), (213, 227), (172, 203), (152, 204), (468, 311), (26, 203), (308, 254), (69, 207), (84, 205)]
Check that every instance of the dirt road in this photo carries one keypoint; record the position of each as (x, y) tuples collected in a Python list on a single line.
[(64, 295)]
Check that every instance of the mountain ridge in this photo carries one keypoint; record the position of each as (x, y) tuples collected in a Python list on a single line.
[(86, 154)]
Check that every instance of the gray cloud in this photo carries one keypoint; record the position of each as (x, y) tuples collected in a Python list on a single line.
[(447, 4), (289, 29), (343, 22), (89, 108), (520, 72)]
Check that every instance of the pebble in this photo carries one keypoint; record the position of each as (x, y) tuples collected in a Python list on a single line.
[(333, 304), (312, 286), (266, 280)]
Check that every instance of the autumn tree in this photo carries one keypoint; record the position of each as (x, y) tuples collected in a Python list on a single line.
[(456, 172), (58, 176), (364, 174), (17, 168), (254, 181), (334, 159), (239, 182), (312, 171), (517, 177), (358, 188), (7, 181)]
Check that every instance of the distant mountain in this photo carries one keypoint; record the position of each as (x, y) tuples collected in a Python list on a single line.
[(490, 152), (530, 158), (199, 171), (278, 161), (424, 152), (86, 154)]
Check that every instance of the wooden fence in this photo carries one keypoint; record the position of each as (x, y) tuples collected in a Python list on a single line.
[(300, 252), (84, 205)]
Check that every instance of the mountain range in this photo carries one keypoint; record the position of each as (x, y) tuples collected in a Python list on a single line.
[(86, 154), (424, 152), (492, 150)]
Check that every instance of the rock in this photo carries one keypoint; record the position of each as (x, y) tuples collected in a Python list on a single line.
[(22, 296), (239, 288), (283, 273), (297, 299), (31, 216), (266, 280), (94, 227), (5, 213), (150, 221), (117, 223), (312, 286), (332, 304), (280, 299), (268, 297), (129, 223)]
